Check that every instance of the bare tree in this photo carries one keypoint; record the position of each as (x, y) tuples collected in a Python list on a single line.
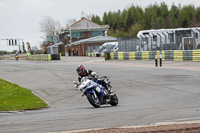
[(50, 26), (89, 17), (34, 48), (70, 22)]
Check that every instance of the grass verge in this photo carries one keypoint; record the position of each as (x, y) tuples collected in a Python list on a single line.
[(14, 98)]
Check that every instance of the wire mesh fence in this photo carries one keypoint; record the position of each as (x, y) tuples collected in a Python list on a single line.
[(188, 39), (163, 39)]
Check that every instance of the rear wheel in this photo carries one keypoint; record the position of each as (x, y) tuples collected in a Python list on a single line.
[(93, 101), (114, 100)]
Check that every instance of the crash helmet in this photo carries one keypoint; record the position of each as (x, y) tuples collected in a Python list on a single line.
[(81, 70)]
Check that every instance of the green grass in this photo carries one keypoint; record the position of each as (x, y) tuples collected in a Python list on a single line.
[(14, 97)]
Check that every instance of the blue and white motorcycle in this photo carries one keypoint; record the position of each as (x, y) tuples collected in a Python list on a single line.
[(96, 94)]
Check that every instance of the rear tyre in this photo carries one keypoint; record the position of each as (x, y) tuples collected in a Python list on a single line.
[(114, 100), (93, 101)]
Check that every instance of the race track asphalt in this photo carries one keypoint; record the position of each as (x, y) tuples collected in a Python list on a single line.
[(147, 95)]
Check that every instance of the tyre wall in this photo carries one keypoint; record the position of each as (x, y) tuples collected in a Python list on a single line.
[(175, 55)]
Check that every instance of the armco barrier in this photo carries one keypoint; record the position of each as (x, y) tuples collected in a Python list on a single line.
[(116, 56), (102, 54), (107, 56), (196, 55), (55, 57), (138, 55), (93, 54), (131, 55), (126, 55), (111, 56), (145, 55), (39, 57), (12, 57), (44, 57), (163, 55), (120, 55), (176, 55)]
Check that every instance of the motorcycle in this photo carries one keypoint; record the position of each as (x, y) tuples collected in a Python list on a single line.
[(96, 94), (16, 57)]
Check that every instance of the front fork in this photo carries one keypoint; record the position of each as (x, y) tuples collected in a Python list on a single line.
[(95, 95), (93, 92)]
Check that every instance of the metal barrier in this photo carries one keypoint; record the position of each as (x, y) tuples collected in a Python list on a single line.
[(12, 56), (196, 55), (178, 55), (175, 55), (39, 57), (129, 44), (162, 39)]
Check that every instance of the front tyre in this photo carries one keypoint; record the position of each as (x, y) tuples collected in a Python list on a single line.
[(93, 101), (114, 100)]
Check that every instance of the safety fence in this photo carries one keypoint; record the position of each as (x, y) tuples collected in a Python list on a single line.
[(12, 56), (38, 57), (92, 54), (44, 57), (162, 39), (176, 55)]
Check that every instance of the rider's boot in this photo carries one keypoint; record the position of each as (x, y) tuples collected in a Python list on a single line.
[(109, 89)]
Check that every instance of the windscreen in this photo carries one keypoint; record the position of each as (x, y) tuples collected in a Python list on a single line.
[(109, 47)]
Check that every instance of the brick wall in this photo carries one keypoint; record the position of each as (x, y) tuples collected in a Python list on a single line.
[(81, 48)]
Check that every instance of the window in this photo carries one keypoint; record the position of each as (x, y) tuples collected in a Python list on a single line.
[(81, 34), (95, 33), (75, 34), (50, 39)]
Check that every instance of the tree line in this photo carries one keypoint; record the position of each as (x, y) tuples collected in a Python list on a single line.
[(156, 16)]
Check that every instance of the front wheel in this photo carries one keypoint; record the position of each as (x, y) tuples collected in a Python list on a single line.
[(114, 100), (93, 101)]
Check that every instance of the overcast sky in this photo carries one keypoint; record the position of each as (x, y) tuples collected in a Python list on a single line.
[(19, 19)]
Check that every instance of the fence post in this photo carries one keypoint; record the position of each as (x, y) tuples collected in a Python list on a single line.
[(165, 38), (151, 42), (160, 50), (169, 34), (160, 58), (186, 41), (194, 39), (180, 47), (141, 43), (156, 60)]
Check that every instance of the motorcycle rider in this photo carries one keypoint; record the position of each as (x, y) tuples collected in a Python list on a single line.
[(16, 55), (82, 72)]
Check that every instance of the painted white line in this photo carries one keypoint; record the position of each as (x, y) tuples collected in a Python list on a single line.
[(175, 121)]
